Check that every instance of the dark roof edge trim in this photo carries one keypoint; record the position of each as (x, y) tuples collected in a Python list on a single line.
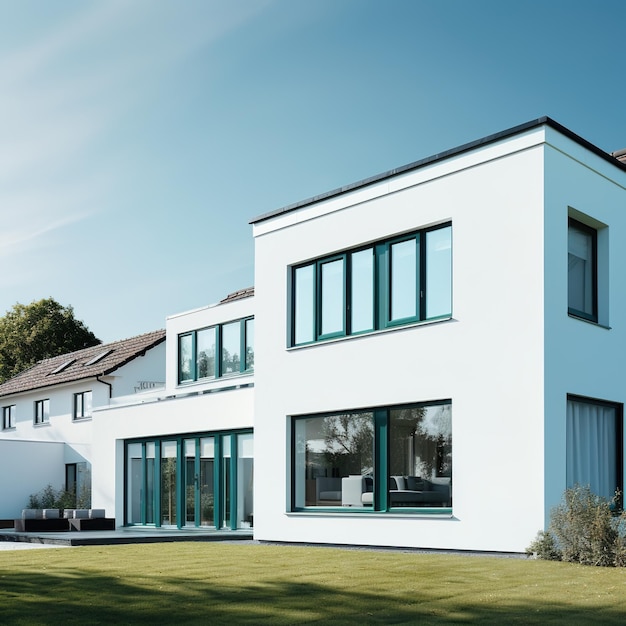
[(505, 134)]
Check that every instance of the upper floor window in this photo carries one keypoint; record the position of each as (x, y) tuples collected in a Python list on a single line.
[(8, 417), (42, 411), (82, 405), (221, 350), (582, 286), (393, 282)]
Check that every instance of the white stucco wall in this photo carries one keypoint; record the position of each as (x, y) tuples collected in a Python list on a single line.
[(28, 467), (488, 359), (581, 358), (220, 411)]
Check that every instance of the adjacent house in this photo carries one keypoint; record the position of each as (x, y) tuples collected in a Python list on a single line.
[(437, 358), (47, 414)]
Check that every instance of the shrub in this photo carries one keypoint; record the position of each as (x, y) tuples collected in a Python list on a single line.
[(50, 498), (544, 547), (584, 529)]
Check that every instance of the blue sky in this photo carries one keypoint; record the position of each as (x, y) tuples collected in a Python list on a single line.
[(139, 137)]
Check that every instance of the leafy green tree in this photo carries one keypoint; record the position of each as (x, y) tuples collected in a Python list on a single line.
[(39, 330)]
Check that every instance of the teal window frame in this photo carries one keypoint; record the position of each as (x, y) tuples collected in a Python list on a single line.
[(382, 314), (246, 363), (8, 417), (381, 471), (226, 460)]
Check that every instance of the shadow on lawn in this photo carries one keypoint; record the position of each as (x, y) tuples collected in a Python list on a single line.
[(72, 597)]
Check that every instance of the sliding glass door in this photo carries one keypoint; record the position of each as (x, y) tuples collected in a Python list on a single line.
[(202, 480)]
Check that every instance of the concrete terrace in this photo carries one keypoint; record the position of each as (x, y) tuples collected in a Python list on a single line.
[(122, 536)]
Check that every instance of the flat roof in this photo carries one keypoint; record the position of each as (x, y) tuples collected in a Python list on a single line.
[(540, 121)]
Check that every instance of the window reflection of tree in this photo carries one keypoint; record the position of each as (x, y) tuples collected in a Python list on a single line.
[(420, 442), (349, 441)]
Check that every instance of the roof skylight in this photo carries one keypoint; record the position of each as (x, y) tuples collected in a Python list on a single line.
[(62, 367), (99, 357)]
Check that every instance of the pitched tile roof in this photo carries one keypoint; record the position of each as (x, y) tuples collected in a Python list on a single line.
[(248, 292), (86, 363)]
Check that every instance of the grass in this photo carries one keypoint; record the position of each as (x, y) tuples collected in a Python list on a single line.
[(215, 583)]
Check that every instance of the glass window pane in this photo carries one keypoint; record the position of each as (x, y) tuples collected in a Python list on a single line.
[(168, 483), (245, 475), (191, 479), (185, 370), (226, 482), (403, 281), (134, 483), (420, 456), (362, 294), (439, 272), (205, 348), (304, 304), (207, 489), (332, 295), (231, 347), (88, 403), (249, 344), (592, 447), (581, 269), (329, 449)]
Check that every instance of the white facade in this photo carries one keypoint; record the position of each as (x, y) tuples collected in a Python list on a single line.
[(506, 358), (63, 438)]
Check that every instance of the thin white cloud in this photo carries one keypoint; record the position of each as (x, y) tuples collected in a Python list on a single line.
[(65, 91)]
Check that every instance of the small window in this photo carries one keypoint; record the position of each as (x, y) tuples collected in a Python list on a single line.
[(82, 405), (42, 411), (8, 417), (582, 277)]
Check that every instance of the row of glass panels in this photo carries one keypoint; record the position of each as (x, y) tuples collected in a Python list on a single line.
[(200, 481)]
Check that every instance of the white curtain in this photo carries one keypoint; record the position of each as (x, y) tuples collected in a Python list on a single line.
[(592, 447)]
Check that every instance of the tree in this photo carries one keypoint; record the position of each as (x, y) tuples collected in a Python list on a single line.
[(39, 330)]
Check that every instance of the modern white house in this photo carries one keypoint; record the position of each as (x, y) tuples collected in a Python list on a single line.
[(437, 358), (439, 348)]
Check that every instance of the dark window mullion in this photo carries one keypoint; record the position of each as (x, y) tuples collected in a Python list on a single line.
[(242, 346), (381, 466), (218, 351), (382, 286), (420, 274)]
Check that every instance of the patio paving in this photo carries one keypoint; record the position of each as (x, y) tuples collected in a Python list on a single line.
[(121, 536)]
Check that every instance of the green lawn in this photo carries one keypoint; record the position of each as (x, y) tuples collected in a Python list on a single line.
[(214, 583)]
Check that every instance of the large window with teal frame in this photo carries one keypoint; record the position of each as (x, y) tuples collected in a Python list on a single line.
[(393, 282), (382, 459), (217, 351), (198, 480)]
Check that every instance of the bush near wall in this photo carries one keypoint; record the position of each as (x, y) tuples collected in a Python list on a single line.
[(51, 498), (584, 528)]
